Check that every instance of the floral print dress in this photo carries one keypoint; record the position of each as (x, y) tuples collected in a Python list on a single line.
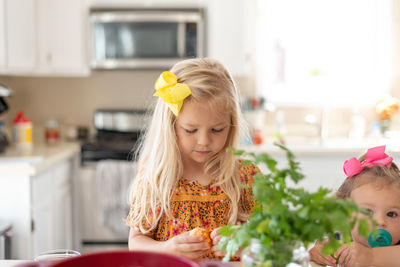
[(195, 205)]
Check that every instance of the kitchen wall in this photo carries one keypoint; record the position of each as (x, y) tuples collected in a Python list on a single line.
[(73, 101)]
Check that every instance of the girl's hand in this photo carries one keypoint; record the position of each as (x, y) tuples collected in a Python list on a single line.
[(215, 238), (190, 246), (355, 255), (317, 256)]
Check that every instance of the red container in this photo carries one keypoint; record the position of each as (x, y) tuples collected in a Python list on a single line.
[(117, 259)]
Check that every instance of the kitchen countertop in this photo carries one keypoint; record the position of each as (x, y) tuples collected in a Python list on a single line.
[(10, 263), (333, 146), (31, 161)]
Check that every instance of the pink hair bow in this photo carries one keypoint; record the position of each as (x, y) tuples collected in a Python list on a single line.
[(375, 156)]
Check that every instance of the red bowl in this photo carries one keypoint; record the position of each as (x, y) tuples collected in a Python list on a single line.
[(118, 259)]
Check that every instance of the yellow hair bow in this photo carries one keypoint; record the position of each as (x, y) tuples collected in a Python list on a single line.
[(171, 92)]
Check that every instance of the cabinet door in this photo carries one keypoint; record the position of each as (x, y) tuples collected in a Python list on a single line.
[(20, 35), (62, 35), (2, 33), (227, 34), (42, 212), (62, 201), (52, 208), (62, 218)]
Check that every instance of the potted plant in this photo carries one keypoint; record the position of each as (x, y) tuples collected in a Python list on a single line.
[(287, 220)]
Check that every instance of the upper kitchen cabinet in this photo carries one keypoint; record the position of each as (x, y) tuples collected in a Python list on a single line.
[(18, 36), (43, 37), (2, 33), (229, 36), (62, 37)]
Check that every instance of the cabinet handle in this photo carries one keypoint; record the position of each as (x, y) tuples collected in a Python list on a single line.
[(32, 226)]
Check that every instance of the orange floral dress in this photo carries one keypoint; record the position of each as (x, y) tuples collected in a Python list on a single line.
[(195, 205)]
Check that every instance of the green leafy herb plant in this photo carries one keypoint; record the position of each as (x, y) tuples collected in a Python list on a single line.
[(284, 216)]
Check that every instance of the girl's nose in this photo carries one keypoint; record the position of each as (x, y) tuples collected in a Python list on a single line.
[(203, 139), (380, 220)]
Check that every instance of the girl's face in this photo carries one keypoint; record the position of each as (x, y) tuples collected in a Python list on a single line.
[(383, 202), (201, 131)]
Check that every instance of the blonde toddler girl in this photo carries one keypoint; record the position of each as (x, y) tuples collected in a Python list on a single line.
[(186, 177)]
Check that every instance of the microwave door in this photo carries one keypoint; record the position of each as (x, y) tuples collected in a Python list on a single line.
[(129, 42)]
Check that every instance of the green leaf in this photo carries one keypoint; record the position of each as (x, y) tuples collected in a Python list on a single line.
[(263, 227), (246, 162), (284, 215), (363, 228)]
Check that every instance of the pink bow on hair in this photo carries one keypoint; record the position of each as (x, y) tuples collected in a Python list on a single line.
[(375, 156)]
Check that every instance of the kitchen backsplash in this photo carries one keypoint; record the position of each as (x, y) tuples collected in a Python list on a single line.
[(72, 101)]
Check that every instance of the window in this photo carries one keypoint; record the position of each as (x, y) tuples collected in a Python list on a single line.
[(323, 52)]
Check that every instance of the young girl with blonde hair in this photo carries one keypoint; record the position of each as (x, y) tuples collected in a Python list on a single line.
[(186, 177), (373, 183)]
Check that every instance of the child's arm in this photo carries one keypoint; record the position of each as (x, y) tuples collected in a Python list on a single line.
[(360, 255), (317, 256), (183, 245)]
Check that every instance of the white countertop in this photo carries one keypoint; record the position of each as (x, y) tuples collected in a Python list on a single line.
[(30, 161), (11, 263), (314, 147)]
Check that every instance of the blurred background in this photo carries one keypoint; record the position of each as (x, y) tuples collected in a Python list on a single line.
[(76, 86), (312, 63)]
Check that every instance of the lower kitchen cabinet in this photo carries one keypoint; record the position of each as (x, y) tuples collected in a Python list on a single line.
[(52, 208), (36, 197)]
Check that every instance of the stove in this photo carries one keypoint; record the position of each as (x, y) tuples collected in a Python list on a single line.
[(117, 133), (107, 168), (109, 145)]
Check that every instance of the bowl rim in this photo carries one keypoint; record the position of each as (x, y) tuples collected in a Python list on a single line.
[(190, 262)]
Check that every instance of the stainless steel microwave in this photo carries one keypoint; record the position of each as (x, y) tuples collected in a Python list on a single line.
[(145, 38)]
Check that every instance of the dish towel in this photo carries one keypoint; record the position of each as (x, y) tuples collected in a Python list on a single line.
[(113, 178)]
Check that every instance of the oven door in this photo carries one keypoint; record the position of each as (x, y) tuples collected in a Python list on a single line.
[(103, 196), (145, 38)]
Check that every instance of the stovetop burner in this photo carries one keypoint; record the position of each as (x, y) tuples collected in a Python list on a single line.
[(110, 145)]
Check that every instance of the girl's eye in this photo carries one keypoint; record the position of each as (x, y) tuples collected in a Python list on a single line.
[(217, 130), (392, 214), (190, 131)]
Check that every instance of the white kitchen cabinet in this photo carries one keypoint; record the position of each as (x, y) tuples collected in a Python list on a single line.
[(44, 37), (36, 197), (19, 36), (321, 165), (229, 39), (2, 33), (52, 208), (61, 27)]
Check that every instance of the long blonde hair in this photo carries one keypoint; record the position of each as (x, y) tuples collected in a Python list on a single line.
[(159, 162)]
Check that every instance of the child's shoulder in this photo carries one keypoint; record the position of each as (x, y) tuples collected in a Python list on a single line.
[(247, 171)]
